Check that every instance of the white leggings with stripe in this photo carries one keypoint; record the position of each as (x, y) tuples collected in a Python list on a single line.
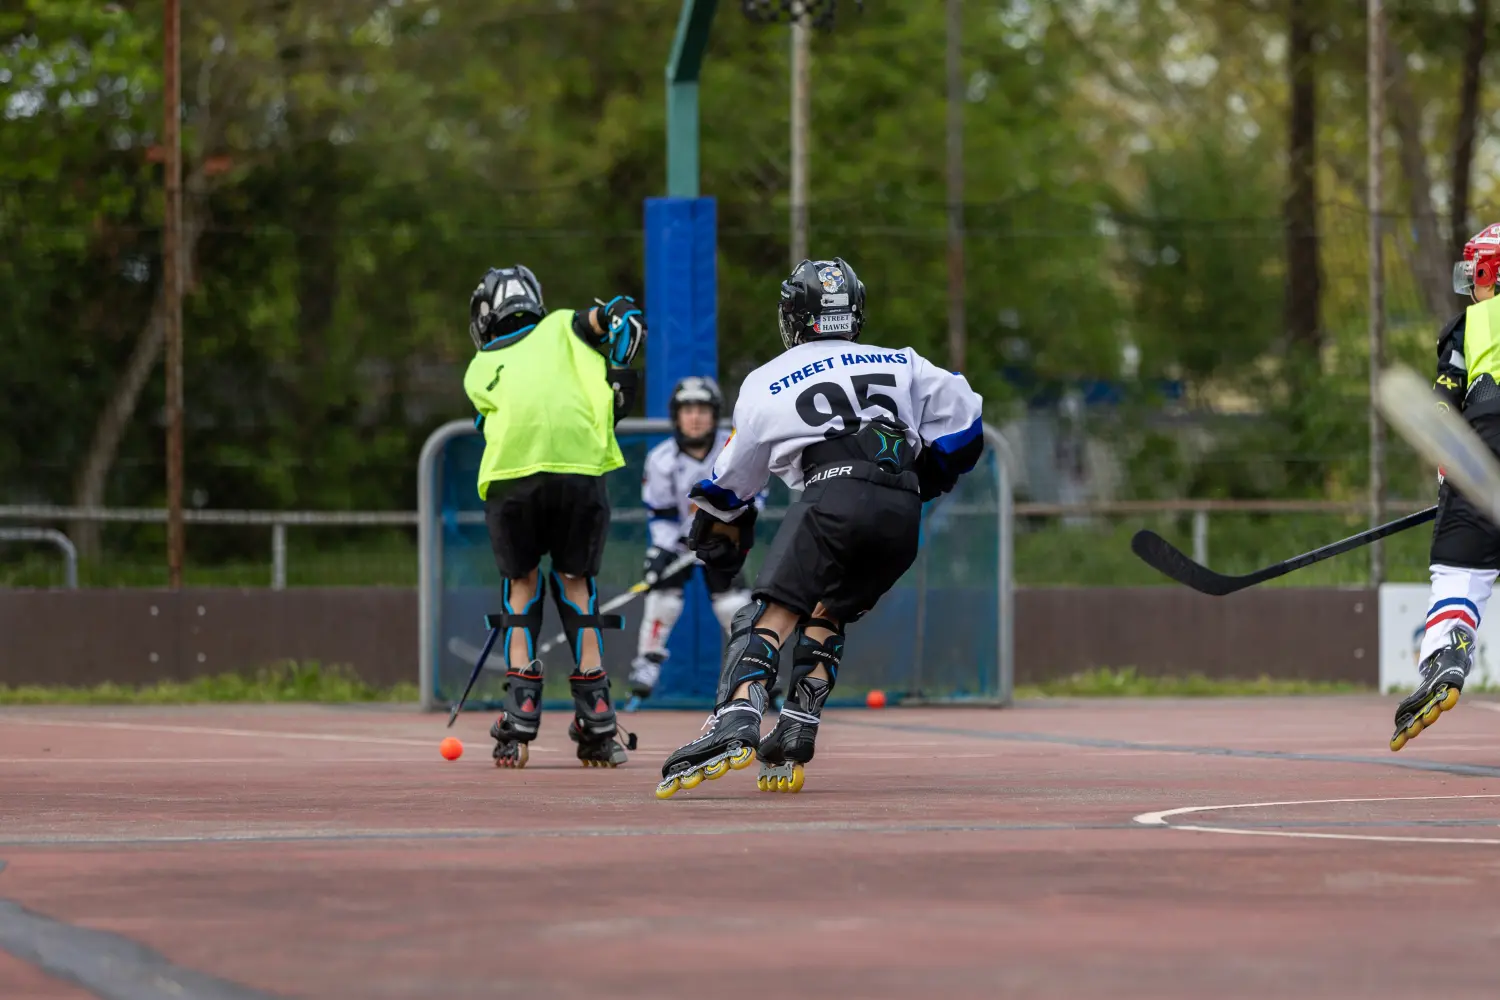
[(1459, 596)]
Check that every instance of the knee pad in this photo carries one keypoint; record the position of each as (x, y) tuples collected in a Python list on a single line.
[(726, 604), (663, 609), (751, 654), (576, 619), (528, 618)]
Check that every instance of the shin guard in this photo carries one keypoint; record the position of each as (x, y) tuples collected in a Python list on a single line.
[(750, 655), (576, 619)]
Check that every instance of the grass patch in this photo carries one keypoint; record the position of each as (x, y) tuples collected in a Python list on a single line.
[(277, 683), (1128, 683)]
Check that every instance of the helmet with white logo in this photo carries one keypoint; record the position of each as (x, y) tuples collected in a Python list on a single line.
[(1481, 263), (822, 300), (704, 391), (505, 306)]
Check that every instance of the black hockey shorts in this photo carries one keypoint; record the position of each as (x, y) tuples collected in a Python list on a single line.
[(845, 542), (1461, 535), (564, 516)]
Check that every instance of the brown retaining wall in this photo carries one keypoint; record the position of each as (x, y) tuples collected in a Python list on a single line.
[(1310, 633), (85, 637), (136, 636)]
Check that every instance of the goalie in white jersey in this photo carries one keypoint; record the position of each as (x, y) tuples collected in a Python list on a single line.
[(868, 434), (672, 468)]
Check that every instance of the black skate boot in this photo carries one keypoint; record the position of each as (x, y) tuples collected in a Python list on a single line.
[(734, 729), (594, 727), (1443, 675), (790, 745), (521, 717), (733, 734)]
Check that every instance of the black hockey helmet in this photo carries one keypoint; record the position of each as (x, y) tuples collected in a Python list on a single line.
[(822, 300), (695, 389), (505, 306)]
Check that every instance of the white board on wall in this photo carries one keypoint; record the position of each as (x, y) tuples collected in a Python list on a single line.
[(1403, 614)]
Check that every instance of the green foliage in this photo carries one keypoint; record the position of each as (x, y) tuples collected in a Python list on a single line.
[(1127, 683), (281, 682), (359, 164)]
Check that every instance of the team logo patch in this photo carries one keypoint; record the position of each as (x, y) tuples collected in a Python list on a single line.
[(832, 278)]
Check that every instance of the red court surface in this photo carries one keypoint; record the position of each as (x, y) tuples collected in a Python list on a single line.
[(245, 852)]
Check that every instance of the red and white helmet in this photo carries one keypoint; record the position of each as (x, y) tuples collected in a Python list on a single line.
[(1481, 263)]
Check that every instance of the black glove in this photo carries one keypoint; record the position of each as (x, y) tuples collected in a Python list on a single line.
[(657, 561), (625, 382), (722, 546), (932, 480)]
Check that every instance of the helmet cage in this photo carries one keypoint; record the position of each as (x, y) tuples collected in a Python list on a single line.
[(506, 305)]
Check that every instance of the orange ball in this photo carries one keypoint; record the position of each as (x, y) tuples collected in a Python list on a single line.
[(875, 699), (451, 748)]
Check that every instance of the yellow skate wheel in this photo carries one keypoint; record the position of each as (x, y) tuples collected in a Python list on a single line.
[(763, 783), (1415, 726), (691, 780), (1450, 698), (794, 784), (1398, 741), (667, 789), (717, 769), (743, 757), (1431, 713)]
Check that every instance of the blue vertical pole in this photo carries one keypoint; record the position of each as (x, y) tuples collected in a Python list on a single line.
[(682, 317)]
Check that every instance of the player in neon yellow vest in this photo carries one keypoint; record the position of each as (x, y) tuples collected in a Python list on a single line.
[(1465, 544), (549, 388)]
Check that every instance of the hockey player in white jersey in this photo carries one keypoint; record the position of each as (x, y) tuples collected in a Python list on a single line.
[(672, 468), (868, 434)]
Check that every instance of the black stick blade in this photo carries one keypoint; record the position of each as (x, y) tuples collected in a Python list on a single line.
[(1164, 557)]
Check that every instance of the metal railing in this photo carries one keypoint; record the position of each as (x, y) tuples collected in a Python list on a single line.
[(277, 520), (53, 537), (1202, 512), (1201, 509)]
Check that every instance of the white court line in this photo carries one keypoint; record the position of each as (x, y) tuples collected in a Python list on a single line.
[(1160, 819), (263, 734), (1488, 706)]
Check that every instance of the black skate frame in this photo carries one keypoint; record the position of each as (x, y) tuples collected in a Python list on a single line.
[(1162, 556)]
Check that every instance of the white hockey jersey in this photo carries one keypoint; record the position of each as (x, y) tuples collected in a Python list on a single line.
[(825, 388), (669, 474)]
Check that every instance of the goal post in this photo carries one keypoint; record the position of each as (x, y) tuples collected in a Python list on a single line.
[(942, 635)]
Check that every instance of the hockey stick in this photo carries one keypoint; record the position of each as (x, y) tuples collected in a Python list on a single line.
[(1442, 438), (1162, 556), (484, 654)]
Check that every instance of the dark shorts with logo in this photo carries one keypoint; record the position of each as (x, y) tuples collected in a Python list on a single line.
[(550, 513), (1463, 536), (844, 543)]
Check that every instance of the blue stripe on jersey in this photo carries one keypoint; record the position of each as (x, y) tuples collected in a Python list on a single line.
[(719, 496), (950, 443)]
